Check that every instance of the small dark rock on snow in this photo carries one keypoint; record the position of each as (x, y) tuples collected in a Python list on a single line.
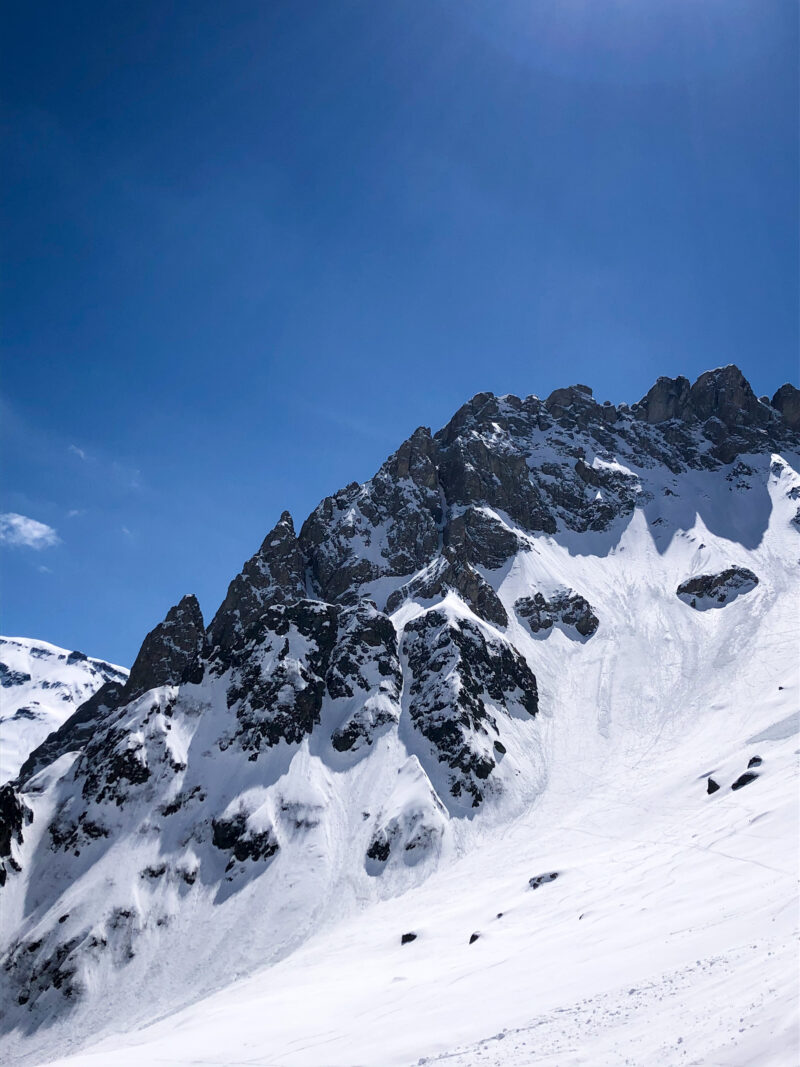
[(406, 938), (744, 779), (541, 879)]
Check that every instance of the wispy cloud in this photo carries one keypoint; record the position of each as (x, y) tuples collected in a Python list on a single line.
[(73, 513), (79, 452), (19, 530)]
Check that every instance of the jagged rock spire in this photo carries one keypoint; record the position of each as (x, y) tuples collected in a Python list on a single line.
[(274, 575), (168, 650), (787, 401)]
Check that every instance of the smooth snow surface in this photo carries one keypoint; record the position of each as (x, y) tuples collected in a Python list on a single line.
[(670, 934)]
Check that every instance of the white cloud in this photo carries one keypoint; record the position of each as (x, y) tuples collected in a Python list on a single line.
[(20, 530), (77, 451), (75, 512)]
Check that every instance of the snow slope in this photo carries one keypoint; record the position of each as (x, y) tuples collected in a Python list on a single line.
[(669, 936), (41, 687), (473, 672)]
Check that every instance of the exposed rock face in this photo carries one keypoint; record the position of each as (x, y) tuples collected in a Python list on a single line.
[(787, 401), (716, 590), (722, 401), (478, 536), (403, 498), (14, 815), (364, 675), (722, 394), (274, 575), (565, 608), (234, 834), (169, 650), (449, 571), (666, 400), (276, 691), (464, 681)]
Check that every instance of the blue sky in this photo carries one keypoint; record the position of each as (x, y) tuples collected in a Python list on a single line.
[(249, 247)]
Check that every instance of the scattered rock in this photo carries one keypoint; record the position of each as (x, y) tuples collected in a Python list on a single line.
[(744, 779), (473, 938), (407, 938), (712, 786), (542, 879), (755, 761)]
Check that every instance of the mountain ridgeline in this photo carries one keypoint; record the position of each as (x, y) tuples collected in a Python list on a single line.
[(370, 685)]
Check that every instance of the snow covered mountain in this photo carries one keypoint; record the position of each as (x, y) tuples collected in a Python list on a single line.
[(41, 685), (495, 759)]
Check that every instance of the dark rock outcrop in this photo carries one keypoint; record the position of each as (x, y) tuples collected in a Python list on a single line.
[(479, 538), (787, 401), (403, 498), (276, 694), (542, 879), (460, 680), (14, 815), (274, 575), (666, 400), (169, 650), (744, 779), (449, 571), (565, 608), (9, 678), (364, 670), (234, 834), (716, 590)]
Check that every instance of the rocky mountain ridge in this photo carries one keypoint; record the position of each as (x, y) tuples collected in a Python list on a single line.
[(369, 686)]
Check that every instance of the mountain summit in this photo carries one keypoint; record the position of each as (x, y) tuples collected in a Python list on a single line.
[(548, 613)]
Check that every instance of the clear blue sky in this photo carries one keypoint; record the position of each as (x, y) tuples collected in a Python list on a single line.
[(249, 247)]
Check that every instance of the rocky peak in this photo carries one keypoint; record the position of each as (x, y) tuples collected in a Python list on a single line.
[(274, 575), (479, 411), (416, 459), (723, 394), (726, 394), (666, 400), (169, 649), (787, 401), (561, 400)]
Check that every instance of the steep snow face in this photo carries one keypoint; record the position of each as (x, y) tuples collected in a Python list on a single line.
[(474, 670), (41, 687)]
